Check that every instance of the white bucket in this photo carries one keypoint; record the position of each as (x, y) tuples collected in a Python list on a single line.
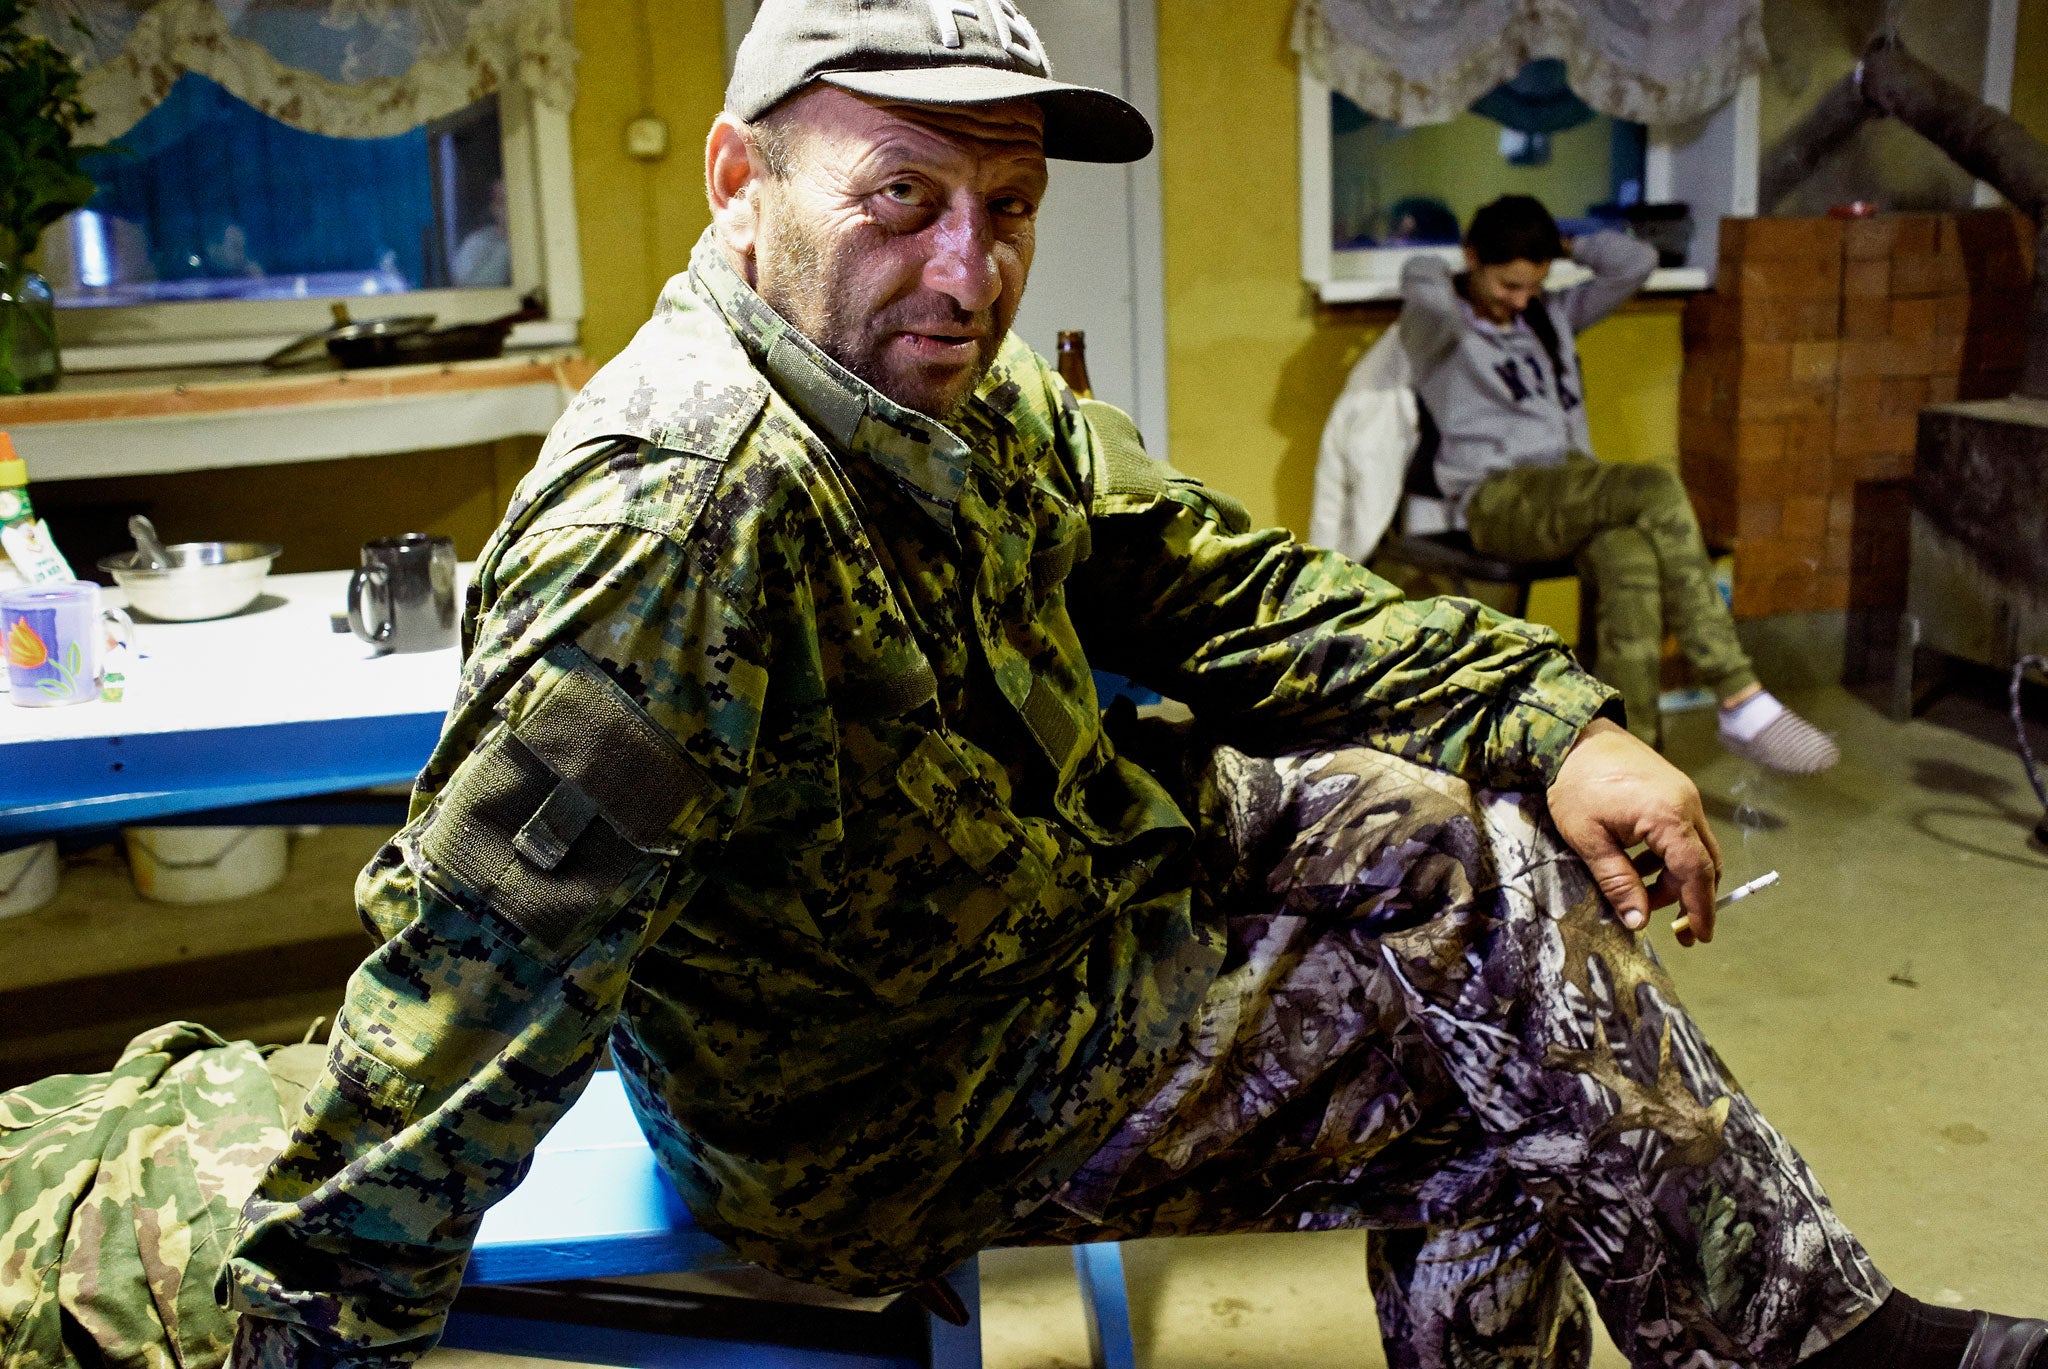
[(28, 878), (205, 864)]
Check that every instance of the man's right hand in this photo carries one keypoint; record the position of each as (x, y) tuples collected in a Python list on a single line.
[(1613, 792)]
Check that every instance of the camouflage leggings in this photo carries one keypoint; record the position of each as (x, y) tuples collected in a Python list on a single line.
[(1430, 1026), (1632, 529)]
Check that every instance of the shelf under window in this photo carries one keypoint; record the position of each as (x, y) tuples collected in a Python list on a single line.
[(1364, 277), (143, 423)]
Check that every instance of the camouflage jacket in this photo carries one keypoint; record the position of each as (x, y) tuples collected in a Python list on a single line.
[(777, 763)]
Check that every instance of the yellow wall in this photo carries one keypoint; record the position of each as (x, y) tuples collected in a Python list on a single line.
[(2030, 70), (1250, 366), (1253, 362), (640, 219)]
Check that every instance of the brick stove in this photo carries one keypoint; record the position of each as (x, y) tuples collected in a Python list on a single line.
[(1805, 373), (1979, 584)]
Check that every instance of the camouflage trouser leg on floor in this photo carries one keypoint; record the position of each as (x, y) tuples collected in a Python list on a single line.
[(119, 1193), (1430, 1025), (1632, 529)]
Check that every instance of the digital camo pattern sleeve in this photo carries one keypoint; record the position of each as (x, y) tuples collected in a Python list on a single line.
[(1289, 642), (600, 743)]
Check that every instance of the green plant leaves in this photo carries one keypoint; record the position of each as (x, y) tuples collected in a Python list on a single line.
[(40, 180), (69, 671)]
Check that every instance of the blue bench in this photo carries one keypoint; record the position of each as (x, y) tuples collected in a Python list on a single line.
[(596, 1205)]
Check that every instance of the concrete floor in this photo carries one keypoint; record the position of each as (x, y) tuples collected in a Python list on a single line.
[(1885, 1005)]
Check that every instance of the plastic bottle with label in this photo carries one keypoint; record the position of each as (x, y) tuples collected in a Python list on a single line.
[(27, 554), (15, 510)]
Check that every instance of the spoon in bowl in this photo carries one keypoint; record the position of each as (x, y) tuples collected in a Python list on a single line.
[(154, 554)]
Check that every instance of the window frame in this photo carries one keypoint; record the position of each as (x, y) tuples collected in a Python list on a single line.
[(540, 194), (1717, 154)]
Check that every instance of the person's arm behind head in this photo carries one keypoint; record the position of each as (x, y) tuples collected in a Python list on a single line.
[(1431, 320), (1620, 265)]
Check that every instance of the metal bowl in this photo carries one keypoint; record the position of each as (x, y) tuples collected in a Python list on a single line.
[(208, 579)]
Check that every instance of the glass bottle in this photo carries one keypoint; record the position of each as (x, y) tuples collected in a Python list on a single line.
[(1073, 363)]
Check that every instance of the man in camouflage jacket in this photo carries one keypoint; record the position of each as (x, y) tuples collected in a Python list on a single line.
[(777, 767)]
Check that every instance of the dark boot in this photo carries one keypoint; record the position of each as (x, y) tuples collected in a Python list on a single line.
[(2005, 1343)]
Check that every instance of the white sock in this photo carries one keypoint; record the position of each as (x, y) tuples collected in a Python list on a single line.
[(1751, 716)]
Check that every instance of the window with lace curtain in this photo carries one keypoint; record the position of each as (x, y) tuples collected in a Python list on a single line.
[(1416, 112), (267, 158)]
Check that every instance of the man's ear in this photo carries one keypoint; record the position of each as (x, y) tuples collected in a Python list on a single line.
[(1471, 258), (732, 182)]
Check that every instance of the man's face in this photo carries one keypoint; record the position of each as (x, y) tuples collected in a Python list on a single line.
[(1499, 293), (898, 236)]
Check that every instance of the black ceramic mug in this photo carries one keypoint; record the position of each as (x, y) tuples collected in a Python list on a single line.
[(403, 598)]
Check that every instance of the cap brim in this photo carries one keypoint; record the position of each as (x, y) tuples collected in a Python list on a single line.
[(1082, 124)]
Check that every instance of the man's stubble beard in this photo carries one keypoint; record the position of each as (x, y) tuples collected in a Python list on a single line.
[(799, 279)]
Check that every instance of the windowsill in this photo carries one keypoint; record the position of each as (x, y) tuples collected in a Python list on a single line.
[(153, 422), (220, 354), (1361, 277)]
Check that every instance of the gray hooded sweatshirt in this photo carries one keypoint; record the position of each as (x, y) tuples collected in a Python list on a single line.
[(1489, 386)]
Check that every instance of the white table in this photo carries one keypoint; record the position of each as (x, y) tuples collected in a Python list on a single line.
[(268, 704)]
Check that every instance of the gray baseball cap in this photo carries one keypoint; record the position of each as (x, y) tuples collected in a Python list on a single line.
[(928, 52)]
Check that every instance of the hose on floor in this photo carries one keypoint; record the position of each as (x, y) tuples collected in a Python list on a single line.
[(2019, 729)]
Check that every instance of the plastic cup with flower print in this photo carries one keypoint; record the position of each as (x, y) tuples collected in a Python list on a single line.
[(61, 644)]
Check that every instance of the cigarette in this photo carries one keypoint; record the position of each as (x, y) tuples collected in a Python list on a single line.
[(1736, 895), (1762, 881)]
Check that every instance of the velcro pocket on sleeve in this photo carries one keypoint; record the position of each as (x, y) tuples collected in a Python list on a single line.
[(566, 810), (1123, 472), (586, 730), (1127, 479)]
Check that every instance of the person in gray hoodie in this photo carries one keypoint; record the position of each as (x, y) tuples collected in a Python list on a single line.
[(1497, 368)]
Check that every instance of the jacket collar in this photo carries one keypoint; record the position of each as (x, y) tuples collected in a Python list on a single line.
[(852, 415)]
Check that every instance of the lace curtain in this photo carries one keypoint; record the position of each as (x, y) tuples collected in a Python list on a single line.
[(1414, 62), (342, 68)]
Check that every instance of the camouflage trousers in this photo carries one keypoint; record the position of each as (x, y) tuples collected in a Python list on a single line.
[(1631, 528), (1430, 1026), (119, 1194)]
